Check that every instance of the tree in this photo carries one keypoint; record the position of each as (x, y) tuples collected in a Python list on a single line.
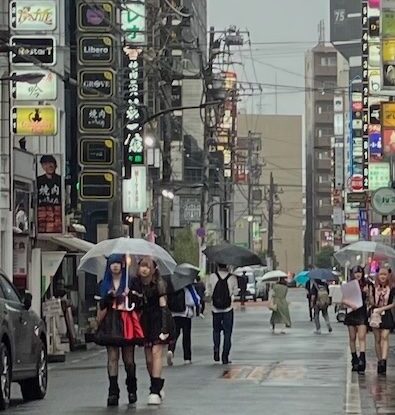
[(325, 257), (186, 247)]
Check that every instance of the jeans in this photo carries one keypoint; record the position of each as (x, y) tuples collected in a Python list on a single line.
[(183, 324), (317, 317), (223, 322)]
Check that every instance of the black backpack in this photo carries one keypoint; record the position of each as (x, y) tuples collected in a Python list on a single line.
[(176, 301), (221, 296)]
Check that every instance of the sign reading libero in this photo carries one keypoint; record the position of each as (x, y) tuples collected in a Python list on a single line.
[(28, 50), (96, 16), (26, 15), (45, 89), (30, 121), (96, 50)]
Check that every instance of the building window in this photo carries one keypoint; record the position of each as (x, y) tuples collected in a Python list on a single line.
[(324, 155), (325, 178), (328, 61)]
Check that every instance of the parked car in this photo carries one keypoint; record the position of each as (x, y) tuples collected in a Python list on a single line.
[(262, 289), (23, 345)]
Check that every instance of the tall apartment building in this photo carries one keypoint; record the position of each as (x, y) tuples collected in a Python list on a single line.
[(321, 82)]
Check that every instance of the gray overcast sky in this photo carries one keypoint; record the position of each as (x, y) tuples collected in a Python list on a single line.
[(273, 21)]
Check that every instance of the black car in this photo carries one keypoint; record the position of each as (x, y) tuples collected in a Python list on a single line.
[(23, 346)]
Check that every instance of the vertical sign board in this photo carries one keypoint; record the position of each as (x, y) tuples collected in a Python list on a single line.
[(134, 191), (134, 91), (365, 94)]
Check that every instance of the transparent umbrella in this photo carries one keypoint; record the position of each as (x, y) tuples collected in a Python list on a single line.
[(94, 261), (359, 252)]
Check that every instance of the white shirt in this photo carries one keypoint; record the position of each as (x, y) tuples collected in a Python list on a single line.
[(232, 285)]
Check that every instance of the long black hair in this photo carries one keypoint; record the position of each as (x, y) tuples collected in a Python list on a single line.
[(359, 268)]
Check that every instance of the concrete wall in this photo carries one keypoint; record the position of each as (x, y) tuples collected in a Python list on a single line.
[(282, 154)]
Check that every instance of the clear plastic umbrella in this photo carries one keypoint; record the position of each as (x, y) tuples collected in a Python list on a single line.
[(359, 252), (94, 261), (274, 275)]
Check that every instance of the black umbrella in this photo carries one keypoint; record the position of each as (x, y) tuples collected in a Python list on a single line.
[(183, 275), (228, 254)]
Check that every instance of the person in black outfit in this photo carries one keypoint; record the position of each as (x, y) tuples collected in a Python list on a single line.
[(383, 306), (308, 296), (157, 322), (242, 281), (357, 320), (200, 288)]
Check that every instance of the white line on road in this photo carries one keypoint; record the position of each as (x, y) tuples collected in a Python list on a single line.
[(353, 398)]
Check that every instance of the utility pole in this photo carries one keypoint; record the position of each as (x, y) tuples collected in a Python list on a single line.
[(249, 194), (270, 230)]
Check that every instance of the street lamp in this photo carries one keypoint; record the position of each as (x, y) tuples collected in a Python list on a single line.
[(30, 78), (170, 194)]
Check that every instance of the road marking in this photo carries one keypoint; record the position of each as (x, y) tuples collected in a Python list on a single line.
[(353, 397)]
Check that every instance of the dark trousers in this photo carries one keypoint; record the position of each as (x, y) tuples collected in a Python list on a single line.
[(183, 324), (223, 322), (310, 309)]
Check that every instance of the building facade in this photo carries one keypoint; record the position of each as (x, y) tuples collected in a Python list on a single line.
[(321, 83), (279, 151)]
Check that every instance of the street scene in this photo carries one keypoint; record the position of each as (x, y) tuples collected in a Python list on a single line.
[(197, 206)]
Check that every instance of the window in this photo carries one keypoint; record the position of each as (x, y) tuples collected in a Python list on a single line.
[(323, 155), (325, 178), (9, 291)]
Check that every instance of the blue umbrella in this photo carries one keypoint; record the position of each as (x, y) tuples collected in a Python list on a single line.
[(302, 278), (322, 274)]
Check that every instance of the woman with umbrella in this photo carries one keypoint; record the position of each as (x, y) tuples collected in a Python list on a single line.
[(157, 323), (119, 327), (357, 320)]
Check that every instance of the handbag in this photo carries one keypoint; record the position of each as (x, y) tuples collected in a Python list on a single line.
[(272, 305), (375, 320), (119, 328)]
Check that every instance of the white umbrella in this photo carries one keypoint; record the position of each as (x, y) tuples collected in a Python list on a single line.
[(358, 253), (94, 261), (274, 275)]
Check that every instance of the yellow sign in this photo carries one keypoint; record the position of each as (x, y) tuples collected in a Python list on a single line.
[(39, 120), (388, 114), (389, 50)]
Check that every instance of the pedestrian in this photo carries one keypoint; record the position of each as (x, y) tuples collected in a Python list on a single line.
[(184, 305), (200, 288), (308, 296), (357, 320), (222, 287), (157, 323), (114, 304), (320, 302), (381, 319), (279, 305), (242, 284)]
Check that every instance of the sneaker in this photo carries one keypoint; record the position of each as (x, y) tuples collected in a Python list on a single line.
[(317, 332), (187, 362), (154, 399), (170, 357)]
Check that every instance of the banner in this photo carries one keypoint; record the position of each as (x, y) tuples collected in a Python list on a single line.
[(49, 194)]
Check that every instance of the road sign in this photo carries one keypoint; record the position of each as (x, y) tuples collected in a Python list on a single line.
[(96, 50), (97, 185), (96, 118), (383, 201), (96, 16), (97, 151), (96, 84), (29, 50)]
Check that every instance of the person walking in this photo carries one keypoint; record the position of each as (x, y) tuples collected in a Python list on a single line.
[(357, 320), (320, 302), (200, 288), (157, 323), (308, 296), (184, 305), (279, 305), (242, 283), (222, 287), (114, 304), (382, 320)]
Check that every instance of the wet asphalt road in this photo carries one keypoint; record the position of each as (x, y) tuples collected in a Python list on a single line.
[(293, 373)]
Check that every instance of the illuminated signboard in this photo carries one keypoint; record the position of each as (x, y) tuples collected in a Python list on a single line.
[(96, 118), (29, 50), (134, 123), (133, 23), (97, 151), (96, 16), (43, 90), (39, 120), (96, 84), (97, 185), (96, 50), (134, 191), (379, 175), (33, 16)]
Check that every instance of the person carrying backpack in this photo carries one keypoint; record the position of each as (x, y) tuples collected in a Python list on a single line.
[(320, 302), (184, 305), (221, 287)]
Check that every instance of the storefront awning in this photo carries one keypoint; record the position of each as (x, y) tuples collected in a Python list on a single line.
[(72, 243)]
